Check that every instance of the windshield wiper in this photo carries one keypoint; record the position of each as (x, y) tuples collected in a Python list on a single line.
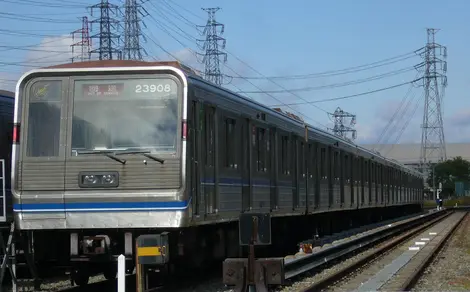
[(144, 153), (106, 153)]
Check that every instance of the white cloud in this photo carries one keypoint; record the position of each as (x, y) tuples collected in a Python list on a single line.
[(52, 51)]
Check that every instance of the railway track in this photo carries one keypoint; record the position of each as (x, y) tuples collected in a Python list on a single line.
[(396, 264), (368, 244)]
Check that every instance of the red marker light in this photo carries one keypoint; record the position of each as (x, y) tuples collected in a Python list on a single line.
[(185, 130), (16, 133)]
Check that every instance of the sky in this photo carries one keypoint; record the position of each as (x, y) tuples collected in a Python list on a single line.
[(266, 38)]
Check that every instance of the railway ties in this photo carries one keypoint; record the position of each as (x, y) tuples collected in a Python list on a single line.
[(344, 256)]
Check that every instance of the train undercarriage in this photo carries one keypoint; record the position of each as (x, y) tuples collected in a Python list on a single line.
[(85, 253)]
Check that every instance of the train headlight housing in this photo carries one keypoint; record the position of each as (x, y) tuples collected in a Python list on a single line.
[(98, 179)]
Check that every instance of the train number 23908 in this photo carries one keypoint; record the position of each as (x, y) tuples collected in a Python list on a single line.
[(144, 88)]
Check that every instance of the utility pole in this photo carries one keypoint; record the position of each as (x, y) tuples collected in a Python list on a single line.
[(433, 147), (340, 129), (211, 47), (84, 43), (132, 32), (107, 49)]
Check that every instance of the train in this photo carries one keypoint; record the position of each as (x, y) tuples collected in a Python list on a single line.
[(106, 151)]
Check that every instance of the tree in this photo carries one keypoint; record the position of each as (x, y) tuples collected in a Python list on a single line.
[(448, 172)]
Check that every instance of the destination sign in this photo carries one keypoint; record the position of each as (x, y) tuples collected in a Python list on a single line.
[(138, 88), (115, 89)]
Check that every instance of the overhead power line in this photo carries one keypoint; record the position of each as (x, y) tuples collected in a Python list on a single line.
[(349, 70), (341, 84), (353, 95)]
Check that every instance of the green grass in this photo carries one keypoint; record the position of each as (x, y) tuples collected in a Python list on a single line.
[(461, 201)]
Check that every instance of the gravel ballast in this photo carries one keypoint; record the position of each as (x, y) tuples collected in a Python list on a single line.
[(450, 269)]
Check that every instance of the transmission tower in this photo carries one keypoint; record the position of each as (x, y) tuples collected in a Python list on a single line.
[(107, 49), (212, 45), (84, 43), (341, 118), (433, 147), (132, 32)]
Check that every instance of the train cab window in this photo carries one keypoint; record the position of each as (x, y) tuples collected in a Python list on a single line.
[(230, 144), (45, 103), (285, 155)]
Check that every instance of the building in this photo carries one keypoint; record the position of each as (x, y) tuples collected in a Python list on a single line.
[(409, 154)]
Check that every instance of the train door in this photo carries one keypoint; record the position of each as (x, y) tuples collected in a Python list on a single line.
[(295, 172), (302, 174), (245, 154), (273, 151), (324, 177), (44, 149), (209, 180), (260, 183), (195, 129), (357, 176), (312, 185)]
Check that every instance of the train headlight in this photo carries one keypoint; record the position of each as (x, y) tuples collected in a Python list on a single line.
[(98, 179)]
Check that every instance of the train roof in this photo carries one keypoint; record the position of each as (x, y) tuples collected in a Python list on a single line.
[(6, 93), (192, 74)]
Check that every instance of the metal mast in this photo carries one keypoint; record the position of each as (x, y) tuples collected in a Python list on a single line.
[(108, 48), (340, 129), (132, 32), (84, 43), (433, 147), (211, 47)]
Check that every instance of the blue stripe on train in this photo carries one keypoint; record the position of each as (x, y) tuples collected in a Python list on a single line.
[(134, 206)]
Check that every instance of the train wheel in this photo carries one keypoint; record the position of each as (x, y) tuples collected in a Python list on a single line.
[(80, 277), (130, 268), (110, 271)]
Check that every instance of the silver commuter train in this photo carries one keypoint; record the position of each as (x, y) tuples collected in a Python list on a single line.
[(109, 150)]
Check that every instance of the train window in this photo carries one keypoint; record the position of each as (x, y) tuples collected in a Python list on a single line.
[(336, 167), (302, 159), (230, 140), (377, 174), (323, 164), (261, 149), (285, 155), (45, 103), (347, 168), (366, 171), (210, 136), (372, 172)]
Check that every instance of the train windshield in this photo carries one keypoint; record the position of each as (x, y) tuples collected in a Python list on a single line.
[(119, 115)]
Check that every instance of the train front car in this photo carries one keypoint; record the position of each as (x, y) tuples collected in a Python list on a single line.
[(99, 160)]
